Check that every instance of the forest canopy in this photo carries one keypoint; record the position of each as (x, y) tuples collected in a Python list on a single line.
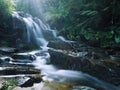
[(6, 7), (96, 20)]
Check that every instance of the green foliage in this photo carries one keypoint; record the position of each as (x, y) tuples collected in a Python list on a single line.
[(117, 39), (4, 43), (32, 7), (9, 83), (6, 7), (95, 19)]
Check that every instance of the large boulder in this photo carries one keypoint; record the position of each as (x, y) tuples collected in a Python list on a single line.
[(5, 59), (18, 70), (48, 35), (58, 44), (64, 60), (8, 50), (102, 69), (24, 56), (19, 27), (29, 81)]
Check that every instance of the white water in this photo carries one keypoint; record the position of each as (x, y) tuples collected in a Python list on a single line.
[(34, 34), (34, 31)]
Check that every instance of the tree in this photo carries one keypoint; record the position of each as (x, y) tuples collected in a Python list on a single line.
[(6, 7), (97, 20)]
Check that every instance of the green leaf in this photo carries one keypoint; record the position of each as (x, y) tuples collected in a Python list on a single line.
[(117, 39)]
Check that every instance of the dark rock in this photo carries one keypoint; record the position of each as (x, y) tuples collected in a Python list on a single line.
[(82, 88), (26, 82), (19, 70), (7, 50), (60, 45), (78, 78), (48, 34), (93, 43), (18, 23), (64, 60), (22, 14), (29, 81), (24, 56), (19, 27), (5, 59), (106, 71), (115, 58)]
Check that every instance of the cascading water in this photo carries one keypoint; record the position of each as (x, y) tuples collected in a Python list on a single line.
[(35, 29), (34, 33)]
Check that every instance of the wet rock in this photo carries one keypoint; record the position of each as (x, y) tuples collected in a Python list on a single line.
[(78, 78), (60, 45), (22, 80), (82, 88), (93, 43), (95, 66), (25, 82), (23, 56), (1, 83), (18, 70), (28, 81), (7, 50), (42, 53), (5, 59), (18, 23), (115, 58), (82, 54), (64, 60), (48, 34), (19, 28)]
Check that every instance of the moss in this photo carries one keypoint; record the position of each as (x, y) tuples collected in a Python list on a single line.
[(9, 84)]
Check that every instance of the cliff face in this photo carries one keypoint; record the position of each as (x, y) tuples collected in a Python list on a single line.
[(12, 30), (8, 32)]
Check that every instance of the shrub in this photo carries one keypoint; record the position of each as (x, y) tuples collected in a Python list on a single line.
[(6, 7)]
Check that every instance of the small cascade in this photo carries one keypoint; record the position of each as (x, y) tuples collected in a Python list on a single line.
[(33, 33), (36, 31)]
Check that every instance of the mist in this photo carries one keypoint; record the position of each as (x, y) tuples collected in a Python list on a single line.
[(34, 7)]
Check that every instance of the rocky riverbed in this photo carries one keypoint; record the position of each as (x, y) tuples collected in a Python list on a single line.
[(53, 70), (41, 60)]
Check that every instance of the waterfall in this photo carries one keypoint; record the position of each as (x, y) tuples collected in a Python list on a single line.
[(36, 31), (34, 27), (39, 33)]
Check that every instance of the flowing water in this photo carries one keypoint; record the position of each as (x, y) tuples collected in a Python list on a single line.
[(53, 78)]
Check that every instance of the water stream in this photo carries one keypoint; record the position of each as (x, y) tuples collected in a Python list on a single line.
[(53, 78)]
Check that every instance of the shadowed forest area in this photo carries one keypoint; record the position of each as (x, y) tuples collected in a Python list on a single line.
[(59, 44), (81, 20)]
